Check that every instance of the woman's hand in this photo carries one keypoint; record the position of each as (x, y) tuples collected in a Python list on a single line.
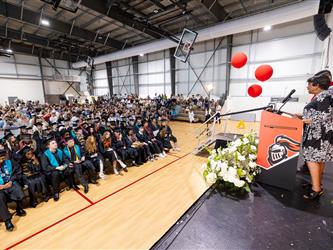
[(307, 121), (299, 116)]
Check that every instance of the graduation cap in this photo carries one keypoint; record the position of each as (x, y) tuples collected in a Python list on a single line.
[(26, 137), (22, 127), (25, 150), (46, 128), (49, 138), (77, 129), (103, 130), (118, 130), (8, 135)]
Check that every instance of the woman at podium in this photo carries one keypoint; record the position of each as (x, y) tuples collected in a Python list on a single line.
[(318, 131)]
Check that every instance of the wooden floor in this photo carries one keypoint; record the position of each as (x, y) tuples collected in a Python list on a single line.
[(132, 211)]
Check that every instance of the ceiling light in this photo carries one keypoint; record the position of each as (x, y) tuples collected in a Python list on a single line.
[(155, 11), (267, 28), (9, 51), (142, 54), (45, 22)]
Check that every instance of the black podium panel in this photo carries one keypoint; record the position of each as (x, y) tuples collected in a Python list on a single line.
[(282, 175)]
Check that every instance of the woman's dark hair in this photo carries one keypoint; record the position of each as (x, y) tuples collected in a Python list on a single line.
[(325, 73), (321, 80)]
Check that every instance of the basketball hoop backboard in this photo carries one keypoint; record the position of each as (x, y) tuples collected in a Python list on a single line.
[(185, 45)]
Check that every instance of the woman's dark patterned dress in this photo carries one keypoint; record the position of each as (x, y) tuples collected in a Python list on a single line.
[(318, 136)]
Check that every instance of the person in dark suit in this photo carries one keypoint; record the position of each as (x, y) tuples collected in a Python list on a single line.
[(9, 189), (56, 167), (76, 156)]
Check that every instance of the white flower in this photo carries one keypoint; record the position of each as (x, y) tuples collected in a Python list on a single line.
[(252, 157), (203, 167), (240, 157), (231, 175), (211, 178), (238, 142), (252, 164), (233, 149), (239, 183), (257, 141), (213, 164), (253, 148), (245, 141), (224, 169)]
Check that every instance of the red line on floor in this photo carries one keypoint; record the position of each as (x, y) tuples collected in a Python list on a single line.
[(91, 204), (84, 197), (46, 228), (174, 155)]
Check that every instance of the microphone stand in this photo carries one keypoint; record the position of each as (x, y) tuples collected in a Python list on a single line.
[(279, 110), (268, 108)]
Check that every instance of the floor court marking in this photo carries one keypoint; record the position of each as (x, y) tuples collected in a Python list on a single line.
[(84, 197), (174, 155), (93, 203)]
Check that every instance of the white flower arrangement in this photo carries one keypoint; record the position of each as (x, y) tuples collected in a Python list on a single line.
[(235, 164)]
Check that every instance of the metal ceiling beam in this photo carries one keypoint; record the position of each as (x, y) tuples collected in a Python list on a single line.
[(215, 9), (281, 15), (182, 5), (123, 17), (243, 6), (136, 12), (37, 51), (19, 35), (31, 17), (158, 4)]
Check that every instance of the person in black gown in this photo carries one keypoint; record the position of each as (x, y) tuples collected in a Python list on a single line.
[(9, 189)]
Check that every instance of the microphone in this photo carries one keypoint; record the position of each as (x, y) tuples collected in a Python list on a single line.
[(285, 100), (289, 95)]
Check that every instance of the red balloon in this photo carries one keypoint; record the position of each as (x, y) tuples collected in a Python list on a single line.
[(239, 60), (254, 90), (264, 72)]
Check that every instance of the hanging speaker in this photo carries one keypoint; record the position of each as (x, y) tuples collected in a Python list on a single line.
[(321, 28)]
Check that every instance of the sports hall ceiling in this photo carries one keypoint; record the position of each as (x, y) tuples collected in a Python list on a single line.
[(103, 26)]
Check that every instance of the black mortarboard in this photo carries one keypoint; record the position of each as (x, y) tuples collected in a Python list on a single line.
[(77, 129), (117, 129), (49, 138), (22, 127), (9, 134), (26, 137), (25, 150), (29, 127)]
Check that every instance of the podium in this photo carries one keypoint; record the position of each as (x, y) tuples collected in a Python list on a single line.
[(278, 150)]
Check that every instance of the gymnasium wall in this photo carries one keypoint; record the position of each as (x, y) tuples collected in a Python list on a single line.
[(294, 52), (292, 49), (20, 76)]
